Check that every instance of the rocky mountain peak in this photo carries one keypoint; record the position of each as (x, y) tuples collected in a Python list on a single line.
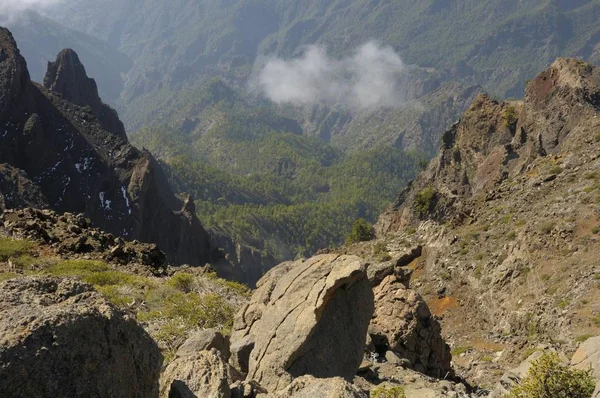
[(14, 76), (67, 76), (495, 141)]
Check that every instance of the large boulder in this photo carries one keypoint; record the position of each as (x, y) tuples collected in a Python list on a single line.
[(310, 387), (308, 317), (201, 374), (61, 338), (403, 324), (586, 357)]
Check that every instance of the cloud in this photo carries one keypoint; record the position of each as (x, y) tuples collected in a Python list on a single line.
[(368, 79), (10, 9)]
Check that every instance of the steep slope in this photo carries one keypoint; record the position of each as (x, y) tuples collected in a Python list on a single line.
[(507, 215), (78, 155)]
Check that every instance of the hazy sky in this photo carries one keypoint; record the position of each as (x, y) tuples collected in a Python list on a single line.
[(9, 9), (365, 80)]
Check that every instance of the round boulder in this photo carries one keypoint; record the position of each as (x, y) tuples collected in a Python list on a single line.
[(61, 338)]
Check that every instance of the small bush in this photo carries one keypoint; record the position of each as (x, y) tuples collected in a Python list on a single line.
[(547, 227), (362, 231), (4, 276), (388, 392), (510, 116), (182, 281), (460, 350), (554, 170), (549, 377), (10, 248), (424, 201), (380, 252)]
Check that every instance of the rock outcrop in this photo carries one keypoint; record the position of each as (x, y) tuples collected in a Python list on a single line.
[(495, 141), (310, 387), (67, 77), (72, 235), (60, 338), (73, 148), (19, 190), (587, 357), (198, 374), (307, 318), (403, 324), (507, 218)]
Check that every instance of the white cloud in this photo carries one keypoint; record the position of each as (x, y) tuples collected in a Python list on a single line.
[(368, 79)]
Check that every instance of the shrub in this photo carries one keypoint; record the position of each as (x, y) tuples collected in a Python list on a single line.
[(182, 281), (13, 247), (388, 392), (380, 252), (550, 378), (424, 201), (510, 116), (362, 231), (555, 170)]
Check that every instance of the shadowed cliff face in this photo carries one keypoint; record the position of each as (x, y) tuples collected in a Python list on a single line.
[(74, 149)]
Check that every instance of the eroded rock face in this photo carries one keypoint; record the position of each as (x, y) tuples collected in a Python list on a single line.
[(403, 324), (60, 338), (201, 374), (307, 318)]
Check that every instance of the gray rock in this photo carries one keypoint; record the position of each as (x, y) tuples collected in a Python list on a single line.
[(588, 356), (240, 353), (307, 318), (205, 374), (310, 387), (402, 323), (204, 340), (61, 338)]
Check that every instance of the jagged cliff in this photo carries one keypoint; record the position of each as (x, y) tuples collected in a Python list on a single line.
[(73, 149), (508, 218)]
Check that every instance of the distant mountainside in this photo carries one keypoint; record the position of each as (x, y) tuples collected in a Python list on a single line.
[(63, 147), (178, 45)]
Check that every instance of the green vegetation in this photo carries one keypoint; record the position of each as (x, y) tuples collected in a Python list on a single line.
[(554, 170), (425, 201), (549, 377), (380, 252), (510, 117), (584, 337), (285, 194), (388, 392), (547, 227), (13, 248), (362, 231), (528, 352), (170, 308), (460, 350)]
